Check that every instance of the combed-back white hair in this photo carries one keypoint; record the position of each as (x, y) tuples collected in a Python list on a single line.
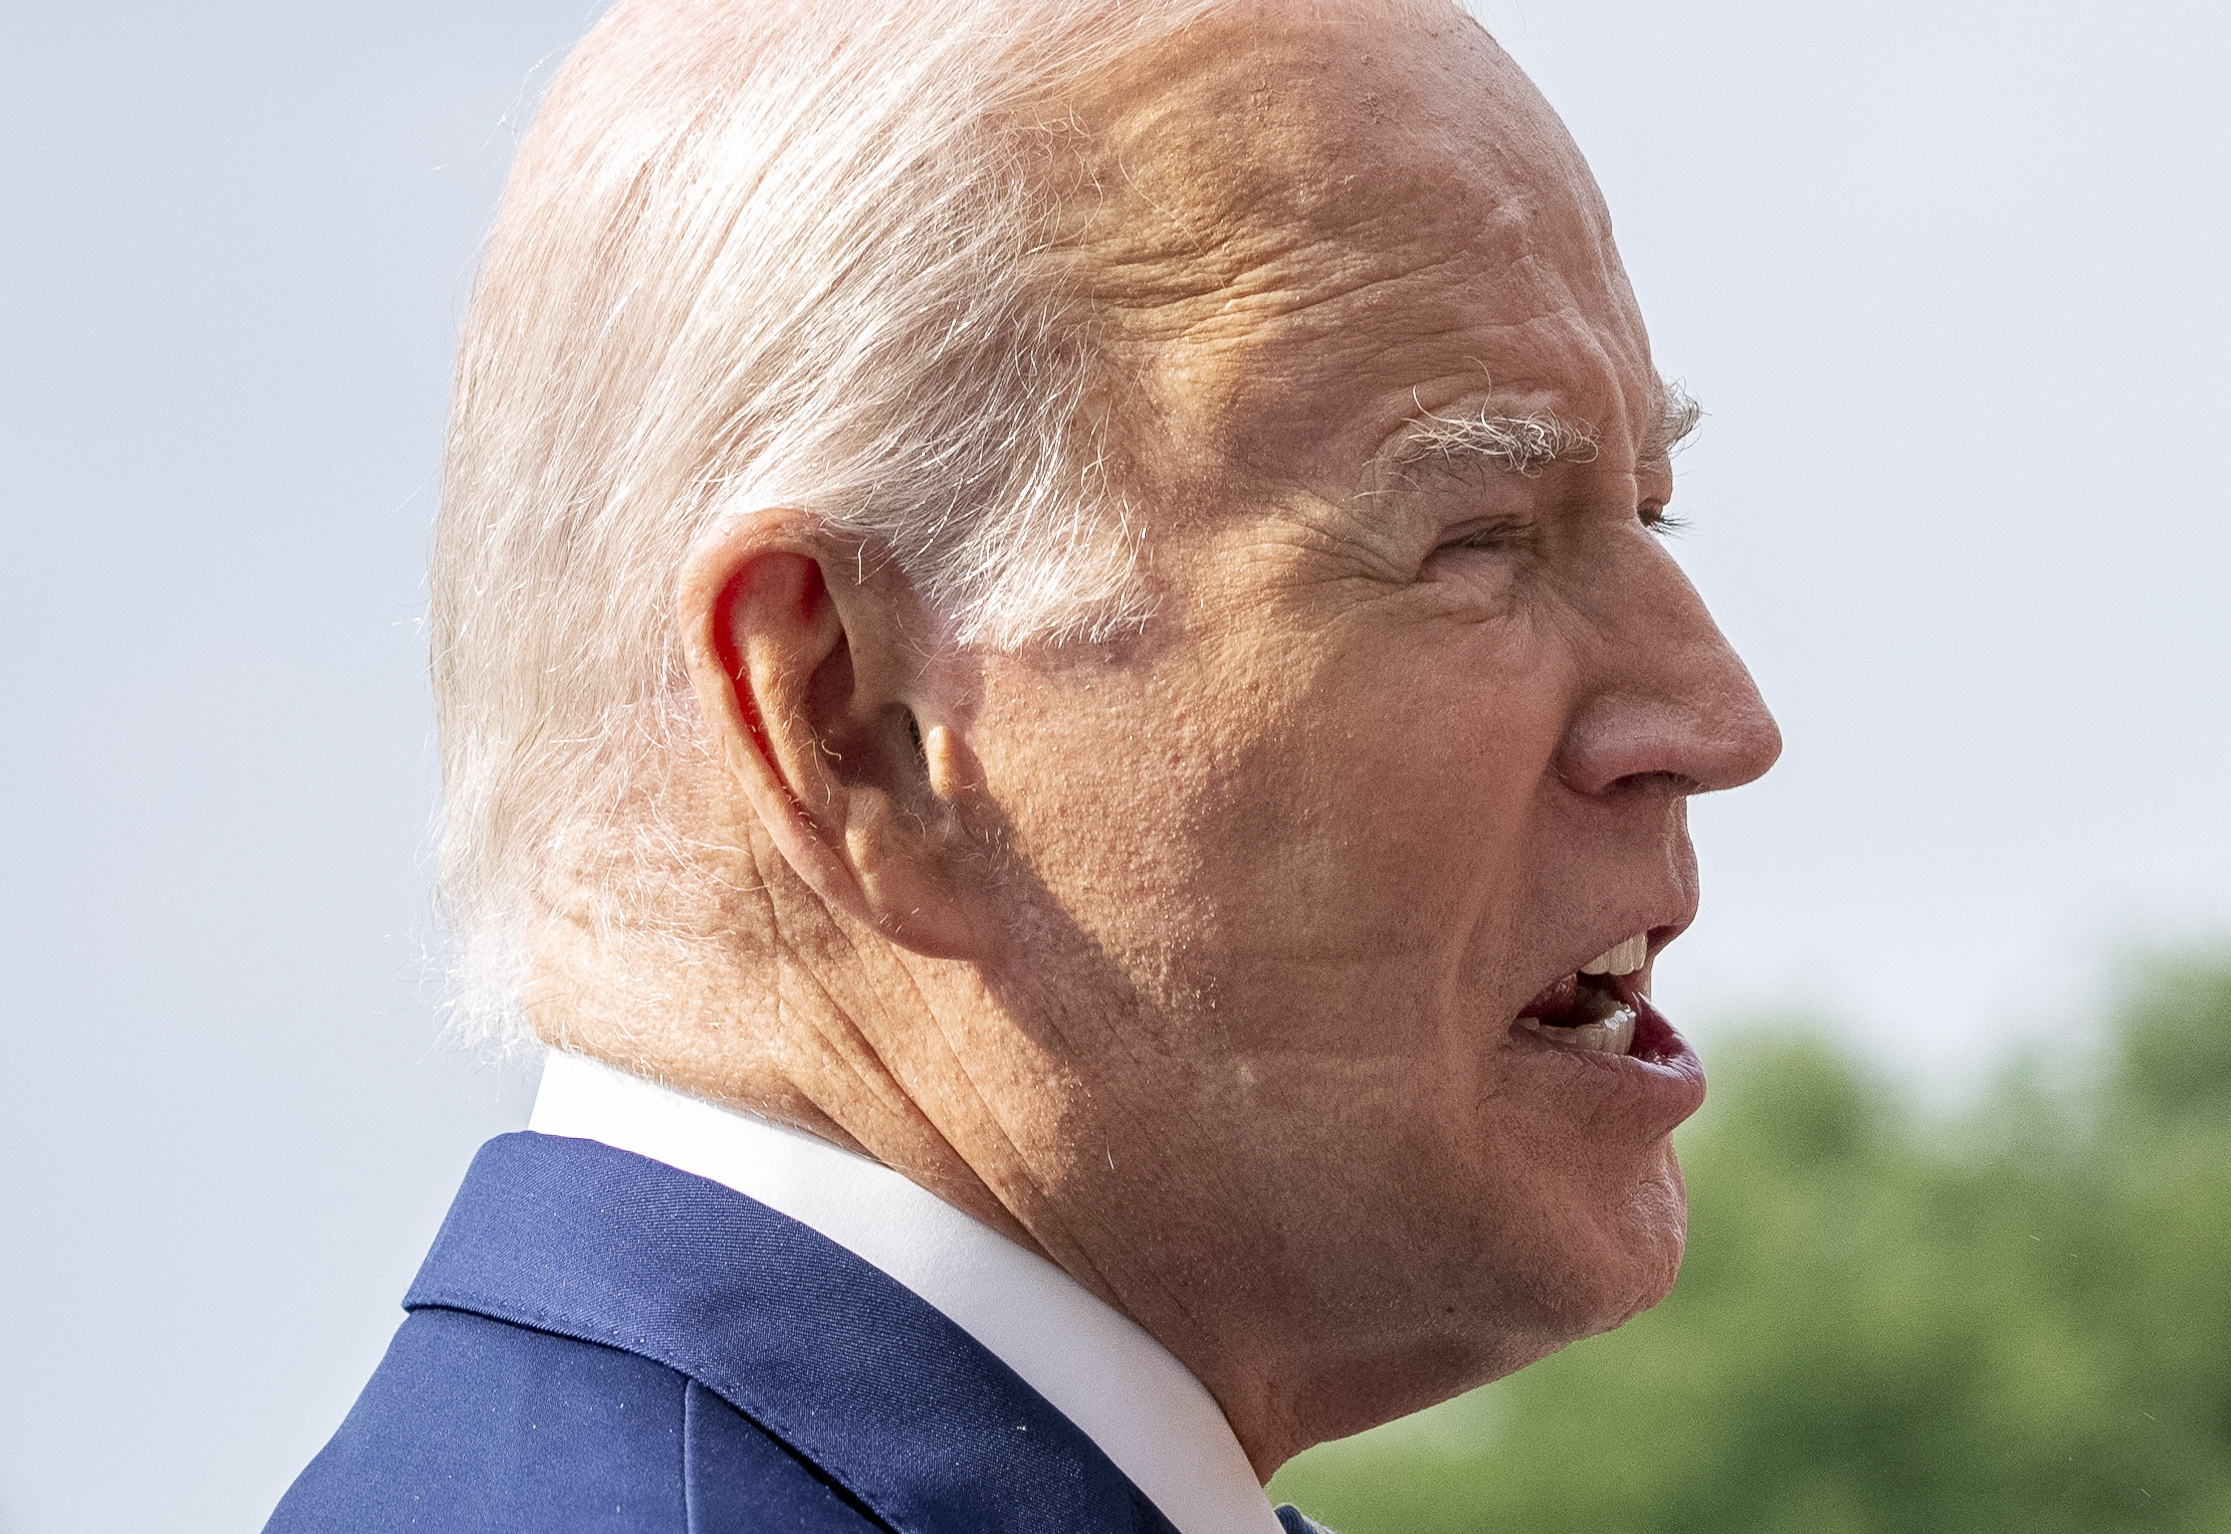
[(753, 253)]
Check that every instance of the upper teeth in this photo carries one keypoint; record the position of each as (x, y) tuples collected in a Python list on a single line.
[(1623, 960)]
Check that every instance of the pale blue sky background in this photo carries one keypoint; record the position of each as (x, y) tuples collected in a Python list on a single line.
[(1948, 275)]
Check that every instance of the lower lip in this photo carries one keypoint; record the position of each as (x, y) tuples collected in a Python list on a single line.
[(1654, 1086)]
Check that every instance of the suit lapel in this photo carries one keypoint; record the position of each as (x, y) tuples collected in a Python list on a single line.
[(855, 1372)]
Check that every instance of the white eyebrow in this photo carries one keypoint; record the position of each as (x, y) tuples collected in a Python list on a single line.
[(1525, 443), (1519, 443), (1679, 416)]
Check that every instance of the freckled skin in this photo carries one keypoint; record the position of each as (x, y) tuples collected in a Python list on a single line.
[(1207, 978)]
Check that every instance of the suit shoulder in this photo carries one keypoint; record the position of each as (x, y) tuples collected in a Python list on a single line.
[(472, 1425)]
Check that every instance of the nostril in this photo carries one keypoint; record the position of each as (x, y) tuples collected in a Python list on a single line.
[(1668, 784)]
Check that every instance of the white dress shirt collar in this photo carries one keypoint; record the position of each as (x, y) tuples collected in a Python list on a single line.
[(1124, 1390)]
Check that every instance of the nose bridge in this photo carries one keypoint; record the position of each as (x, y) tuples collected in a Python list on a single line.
[(1665, 698)]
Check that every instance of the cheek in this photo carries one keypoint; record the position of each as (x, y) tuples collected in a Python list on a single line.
[(1101, 803), (1383, 808), (1318, 845)]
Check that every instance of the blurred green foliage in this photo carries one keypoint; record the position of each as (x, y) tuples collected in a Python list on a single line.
[(2018, 1319)]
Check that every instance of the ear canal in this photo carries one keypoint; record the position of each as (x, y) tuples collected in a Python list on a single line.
[(914, 734)]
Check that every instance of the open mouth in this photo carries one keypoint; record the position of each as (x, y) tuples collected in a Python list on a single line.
[(1599, 1008)]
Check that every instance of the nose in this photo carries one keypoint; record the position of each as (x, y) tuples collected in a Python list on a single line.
[(1667, 705)]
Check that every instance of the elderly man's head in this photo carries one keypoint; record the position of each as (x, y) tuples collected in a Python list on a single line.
[(1072, 597)]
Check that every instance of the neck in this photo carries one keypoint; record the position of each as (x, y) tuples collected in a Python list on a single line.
[(802, 1052), (901, 1058)]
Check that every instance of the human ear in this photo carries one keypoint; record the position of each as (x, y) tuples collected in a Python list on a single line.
[(806, 672)]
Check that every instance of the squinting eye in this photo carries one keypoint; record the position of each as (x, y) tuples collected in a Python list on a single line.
[(1496, 535), (1653, 515)]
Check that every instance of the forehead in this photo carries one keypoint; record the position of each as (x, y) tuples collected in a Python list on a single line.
[(1296, 232)]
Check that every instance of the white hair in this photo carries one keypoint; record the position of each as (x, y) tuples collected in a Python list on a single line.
[(780, 253), (1526, 444), (1521, 444)]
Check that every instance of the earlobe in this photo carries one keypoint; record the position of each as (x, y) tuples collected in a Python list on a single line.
[(808, 677)]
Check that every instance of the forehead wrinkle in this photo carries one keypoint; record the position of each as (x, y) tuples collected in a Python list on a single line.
[(1283, 310), (1314, 299), (1260, 148), (1255, 227), (1165, 260), (1234, 263)]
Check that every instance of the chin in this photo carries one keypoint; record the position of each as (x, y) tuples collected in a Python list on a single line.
[(1569, 1264), (1600, 1269)]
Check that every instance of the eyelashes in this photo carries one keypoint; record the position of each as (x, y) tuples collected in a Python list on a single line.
[(1516, 532), (1498, 535)]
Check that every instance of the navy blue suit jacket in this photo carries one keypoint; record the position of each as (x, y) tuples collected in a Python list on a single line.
[(599, 1342)]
